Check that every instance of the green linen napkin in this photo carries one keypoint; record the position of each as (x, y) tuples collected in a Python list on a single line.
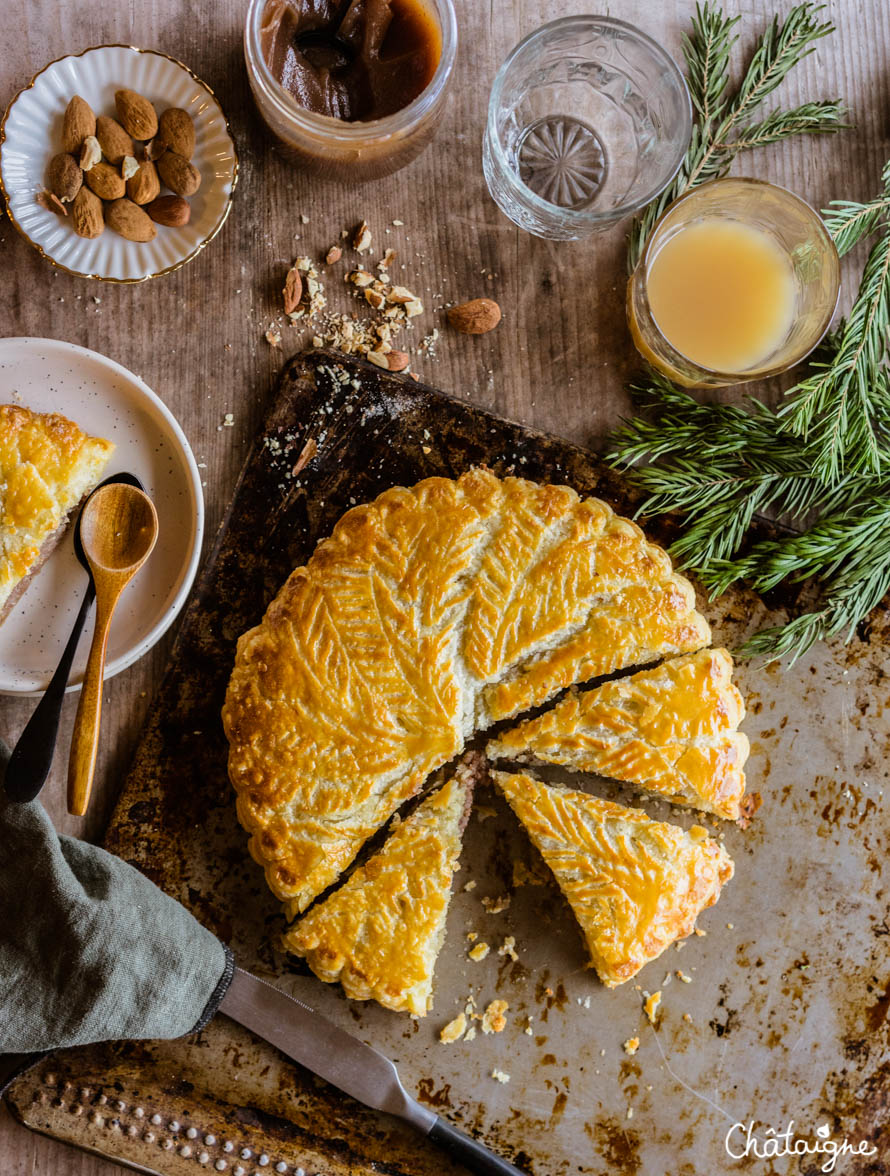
[(90, 949)]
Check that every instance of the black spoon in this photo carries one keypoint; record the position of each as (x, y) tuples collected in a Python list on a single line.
[(32, 756)]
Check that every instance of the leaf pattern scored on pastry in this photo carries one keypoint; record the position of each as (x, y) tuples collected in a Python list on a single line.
[(381, 932), (635, 885), (428, 614), (672, 730)]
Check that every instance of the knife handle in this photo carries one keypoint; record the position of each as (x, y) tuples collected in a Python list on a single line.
[(474, 1156)]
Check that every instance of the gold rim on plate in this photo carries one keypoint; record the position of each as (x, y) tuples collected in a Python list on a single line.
[(101, 277)]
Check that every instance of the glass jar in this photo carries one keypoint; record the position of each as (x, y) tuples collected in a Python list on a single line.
[(352, 151), (588, 120), (800, 234)]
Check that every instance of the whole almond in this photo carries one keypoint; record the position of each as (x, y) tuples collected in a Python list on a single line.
[(136, 114), (475, 317), (177, 130), (172, 211), (144, 186), (114, 140), (293, 290), (87, 214), (129, 220), (105, 181), (79, 121), (64, 177), (178, 174)]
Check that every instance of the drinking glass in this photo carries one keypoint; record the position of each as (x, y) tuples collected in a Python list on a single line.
[(799, 232), (588, 120)]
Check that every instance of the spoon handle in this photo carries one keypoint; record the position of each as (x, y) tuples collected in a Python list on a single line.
[(32, 756), (85, 739)]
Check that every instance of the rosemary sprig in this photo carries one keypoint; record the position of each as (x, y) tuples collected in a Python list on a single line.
[(723, 127), (826, 450)]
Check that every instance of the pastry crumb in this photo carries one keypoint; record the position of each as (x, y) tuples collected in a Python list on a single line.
[(500, 1076), (528, 1028), (454, 1030), (470, 1034), (273, 337), (687, 1018), (682, 976), (470, 886), (494, 906), (472, 936), (508, 948), (479, 952), (650, 1006), (493, 1019), (631, 1046)]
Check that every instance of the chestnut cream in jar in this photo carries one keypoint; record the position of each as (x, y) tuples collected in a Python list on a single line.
[(353, 89)]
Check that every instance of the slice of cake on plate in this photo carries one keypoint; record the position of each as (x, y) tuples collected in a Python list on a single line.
[(379, 935), (635, 885), (672, 730), (47, 466)]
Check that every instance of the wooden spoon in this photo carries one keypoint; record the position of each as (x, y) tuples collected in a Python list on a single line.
[(118, 529)]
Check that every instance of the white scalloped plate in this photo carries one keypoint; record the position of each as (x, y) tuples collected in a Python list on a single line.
[(30, 137), (106, 400)]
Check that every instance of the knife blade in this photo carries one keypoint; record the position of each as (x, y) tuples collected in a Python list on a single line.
[(348, 1063)]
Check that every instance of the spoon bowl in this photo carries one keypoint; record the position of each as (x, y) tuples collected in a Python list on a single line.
[(118, 528)]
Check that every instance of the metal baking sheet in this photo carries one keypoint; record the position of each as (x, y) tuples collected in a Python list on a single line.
[(778, 1013)]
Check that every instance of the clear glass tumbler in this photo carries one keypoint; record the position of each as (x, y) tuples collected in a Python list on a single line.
[(588, 120), (801, 235)]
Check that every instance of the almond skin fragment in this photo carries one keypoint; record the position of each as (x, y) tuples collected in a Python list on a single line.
[(397, 361), (136, 114), (171, 211), (131, 221), (51, 203), (79, 121), (178, 174), (64, 177), (177, 130), (144, 186), (87, 218), (293, 290), (106, 181), (476, 317), (114, 140)]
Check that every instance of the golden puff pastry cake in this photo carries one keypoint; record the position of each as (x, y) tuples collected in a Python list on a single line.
[(635, 885), (381, 932), (428, 614), (47, 466), (672, 730)]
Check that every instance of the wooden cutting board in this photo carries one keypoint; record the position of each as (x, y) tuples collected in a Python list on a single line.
[(784, 1015)]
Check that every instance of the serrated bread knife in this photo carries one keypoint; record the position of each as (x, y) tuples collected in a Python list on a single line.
[(347, 1063)]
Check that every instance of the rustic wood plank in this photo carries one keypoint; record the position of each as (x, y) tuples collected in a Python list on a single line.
[(557, 362)]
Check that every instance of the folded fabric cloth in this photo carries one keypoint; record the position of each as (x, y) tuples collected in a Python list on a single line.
[(90, 950)]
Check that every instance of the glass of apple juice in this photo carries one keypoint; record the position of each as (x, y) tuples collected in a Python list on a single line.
[(739, 280)]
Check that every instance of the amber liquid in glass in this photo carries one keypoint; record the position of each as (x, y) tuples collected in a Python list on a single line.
[(722, 294)]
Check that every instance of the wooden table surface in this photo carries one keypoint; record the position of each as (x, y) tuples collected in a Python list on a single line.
[(558, 361)]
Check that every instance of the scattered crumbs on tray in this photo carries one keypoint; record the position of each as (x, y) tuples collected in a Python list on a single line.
[(494, 906), (631, 1046), (454, 1030), (500, 1076), (494, 1019), (650, 1006), (479, 952), (508, 948)]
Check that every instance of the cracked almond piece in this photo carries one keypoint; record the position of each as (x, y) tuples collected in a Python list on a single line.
[(380, 934), (672, 730), (634, 885), (361, 241)]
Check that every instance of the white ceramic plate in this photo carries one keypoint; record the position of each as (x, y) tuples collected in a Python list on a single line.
[(108, 401), (30, 138)]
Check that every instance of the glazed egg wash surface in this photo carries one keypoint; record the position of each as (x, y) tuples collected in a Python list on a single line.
[(723, 294)]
